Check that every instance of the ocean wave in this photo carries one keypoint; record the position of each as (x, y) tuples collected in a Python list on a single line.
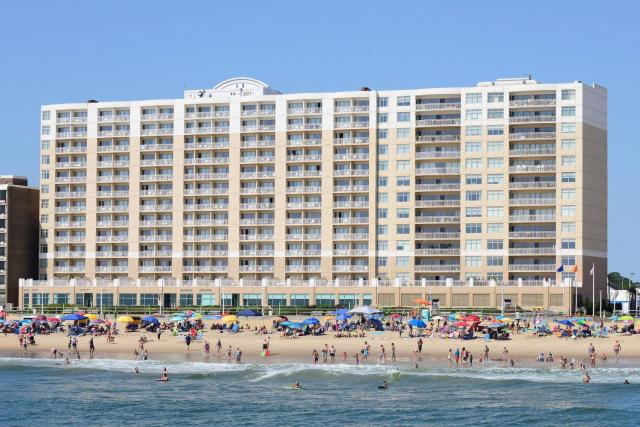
[(263, 372)]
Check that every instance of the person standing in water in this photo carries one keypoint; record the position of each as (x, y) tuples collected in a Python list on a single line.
[(393, 352), (616, 349), (92, 347), (218, 345), (238, 355), (420, 345), (165, 375)]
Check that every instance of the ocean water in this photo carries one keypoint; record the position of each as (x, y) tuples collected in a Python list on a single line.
[(105, 392)]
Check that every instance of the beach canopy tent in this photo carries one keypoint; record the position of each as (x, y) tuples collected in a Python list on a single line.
[(311, 321), (177, 319), (417, 323), (365, 310), (248, 313), (292, 325), (75, 316), (497, 325), (625, 318), (211, 317)]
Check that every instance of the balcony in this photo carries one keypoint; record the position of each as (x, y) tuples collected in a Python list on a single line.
[(256, 253), (303, 253), (304, 126), (302, 268), (533, 152), (540, 118), (351, 172), (156, 147), (532, 103), (112, 269), (350, 157), (438, 252), (532, 168), (108, 133), (206, 146), (154, 269), (258, 112), (156, 223), (438, 171), (66, 150), (70, 179), (113, 208), (159, 131), (549, 268), (300, 111), (352, 124), (532, 234), (160, 116), (424, 219), (532, 201), (70, 165), (351, 109), (303, 158), (303, 221), (69, 239), (438, 187), (155, 238), (116, 224), (258, 159), (114, 148), (532, 251), (351, 205), (71, 194), (156, 162), (532, 218), (69, 269), (304, 174), (437, 122), (350, 141), (204, 269), (258, 128), (256, 269), (205, 237), (258, 175), (350, 268), (526, 185), (257, 221), (517, 136), (352, 220), (112, 239), (258, 190), (206, 176), (437, 203), (155, 254), (113, 178), (437, 155), (206, 130), (206, 207), (304, 205), (220, 253), (155, 193), (304, 142), (303, 189), (438, 138), (113, 164), (437, 268), (256, 237), (156, 177), (430, 106), (256, 206), (351, 252), (64, 120), (351, 188), (112, 254), (350, 236), (114, 118), (70, 209), (63, 135), (438, 236), (258, 144), (69, 254), (301, 236), (206, 114)]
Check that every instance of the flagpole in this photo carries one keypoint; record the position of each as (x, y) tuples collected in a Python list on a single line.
[(593, 289)]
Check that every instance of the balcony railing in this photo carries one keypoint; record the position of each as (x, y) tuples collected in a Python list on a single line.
[(533, 118), (532, 168), (437, 236), (532, 201), (428, 106), (531, 135), (532, 102), (437, 203), (532, 218), (550, 268), (424, 219), (428, 268), (532, 235), (437, 122), (520, 185)]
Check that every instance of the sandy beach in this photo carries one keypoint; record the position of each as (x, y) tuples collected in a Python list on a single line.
[(523, 348)]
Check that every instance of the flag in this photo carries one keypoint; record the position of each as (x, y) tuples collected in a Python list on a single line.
[(560, 269), (593, 269), (574, 269)]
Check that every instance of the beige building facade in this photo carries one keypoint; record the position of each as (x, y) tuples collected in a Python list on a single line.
[(370, 196)]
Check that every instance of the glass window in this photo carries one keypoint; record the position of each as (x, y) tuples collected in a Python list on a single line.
[(44, 145), (568, 128), (568, 227), (403, 116), (186, 300), (402, 213), (495, 178), (276, 300), (45, 159), (495, 130), (382, 261), (568, 260), (474, 98), (473, 245), (383, 165), (494, 195), (475, 114), (568, 177), (382, 181), (383, 197), (569, 111), (403, 245), (473, 179), (495, 97), (403, 149), (494, 261), (568, 194), (473, 196), (403, 132), (568, 244), (402, 196), (473, 130), (473, 212), (403, 181), (46, 115), (247, 299), (568, 94), (403, 165), (382, 213), (495, 212), (402, 261), (495, 162), (472, 261), (495, 227), (148, 299), (495, 245), (44, 174), (473, 147), (402, 229), (495, 113), (46, 130), (403, 101), (568, 210), (568, 160), (473, 163), (383, 229), (383, 150), (128, 299), (300, 300), (383, 117), (325, 300), (495, 146), (568, 144), (383, 133), (383, 101), (383, 245), (473, 228)]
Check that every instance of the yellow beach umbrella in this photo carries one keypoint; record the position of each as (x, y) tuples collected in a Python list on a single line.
[(626, 317), (230, 318), (125, 319), (332, 317), (91, 316), (506, 320)]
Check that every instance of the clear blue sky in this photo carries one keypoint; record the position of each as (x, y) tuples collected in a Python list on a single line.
[(67, 51)]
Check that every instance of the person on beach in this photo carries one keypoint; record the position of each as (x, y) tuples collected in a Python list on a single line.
[(450, 357), (393, 352), (68, 344), (332, 354), (92, 347), (187, 340), (218, 345), (470, 359), (505, 354), (383, 386), (74, 344), (238, 355), (603, 358), (486, 353), (457, 356), (383, 354), (165, 375), (228, 354), (325, 354), (206, 348), (136, 370), (592, 349), (586, 378), (145, 355), (420, 345), (357, 356), (159, 333), (365, 351), (616, 349), (296, 385), (54, 353), (315, 356)]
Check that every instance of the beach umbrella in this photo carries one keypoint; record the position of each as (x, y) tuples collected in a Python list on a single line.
[(40, 317), (460, 324), (286, 318), (96, 322), (91, 316), (500, 317), (125, 319), (417, 323), (248, 313), (436, 318), (73, 316), (396, 316), (565, 322), (295, 325), (506, 319), (625, 318), (472, 318), (330, 317), (496, 325), (614, 318), (211, 317), (340, 311), (151, 319), (311, 321), (53, 320), (365, 309), (421, 301), (195, 316), (176, 319), (230, 318)]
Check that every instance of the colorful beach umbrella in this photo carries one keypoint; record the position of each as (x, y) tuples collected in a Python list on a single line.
[(566, 322), (230, 319), (73, 316), (417, 323), (248, 313), (91, 316), (460, 324), (125, 319), (471, 318), (53, 320), (421, 301), (625, 318), (311, 321)]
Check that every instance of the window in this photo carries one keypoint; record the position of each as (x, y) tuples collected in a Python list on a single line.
[(382, 181), (403, 101), (402, 213), (473, 212), (495, 130), (495, 162), (44, 145), (44, 218), (44, 174), (402, 229), (568, 128), (473, 130), (495, 97), (568, 177), (383, 165), (382, 261), (383, 197), (403, 181), (473, 163), (495, 245), (383, 118), (403, 149), (383, 150), (568, 194), (383, 101), (383, 133), (568, 227), (473, 147), (473, 196), (382, 213), (383, 245), (403, 245), (210, 299), (402, 261), (473, 245), (46, 115), (44, 203), (569, 111), (186, 300), (568, 243), (568, 210), (495, 178), (568, 94), (383, 230), (495, 212), (568, 160), (495, 113), (403, 132), (495, 146), (45, 159), (472, 261), (473, 179), (473, 228), (568, 144), (494, 195), (402, 197), (128, 299), (473, 114), (494, 261), (46, 130), (474, 98), (403, 116), (403, 165), (495, 227), (568, 260)]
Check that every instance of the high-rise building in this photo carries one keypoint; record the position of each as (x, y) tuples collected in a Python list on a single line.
[(439, 192), (18, 236)]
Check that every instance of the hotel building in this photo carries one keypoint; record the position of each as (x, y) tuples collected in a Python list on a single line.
[(469, 196)]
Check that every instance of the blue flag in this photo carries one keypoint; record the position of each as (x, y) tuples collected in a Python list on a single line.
[(560, 269)]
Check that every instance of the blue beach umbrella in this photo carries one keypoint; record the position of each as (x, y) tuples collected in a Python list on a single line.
[(311, 321), (73, 316), (177, 319), (566, 322), (340, 311), (417, 323), (248, 313), (500, 317), (151, 319), (343, 317), (294, 325)]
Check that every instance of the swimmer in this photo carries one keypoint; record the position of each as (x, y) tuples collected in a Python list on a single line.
[(586, 378), (295, 386), (165, 375), (136, 371), (626, 382), (383, 386)]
